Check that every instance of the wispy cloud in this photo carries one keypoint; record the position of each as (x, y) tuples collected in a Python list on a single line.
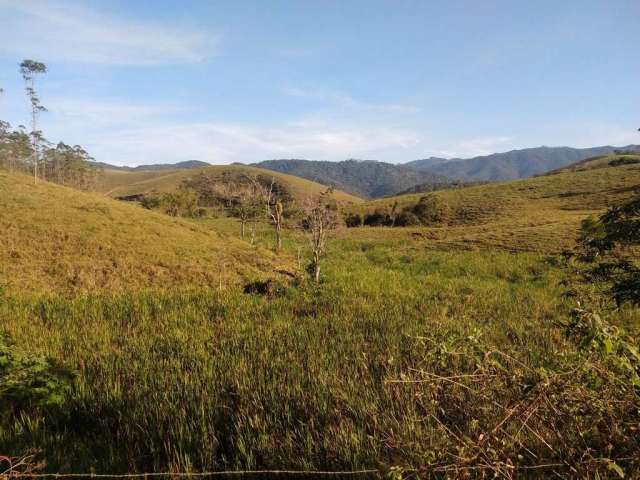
[(72, 32), (345, 100), (226, 143)]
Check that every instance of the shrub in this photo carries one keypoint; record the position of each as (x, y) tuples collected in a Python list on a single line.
[(431, 209), (150, 202), (379, 218), (407, 218), (353, 220), (29, 381)]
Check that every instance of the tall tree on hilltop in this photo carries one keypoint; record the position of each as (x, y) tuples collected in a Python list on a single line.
[(29, 70)]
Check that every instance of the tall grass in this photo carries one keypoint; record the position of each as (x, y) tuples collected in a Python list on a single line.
[(328, 377)]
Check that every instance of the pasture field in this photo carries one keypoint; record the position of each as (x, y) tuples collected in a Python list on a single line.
[(423, 352)]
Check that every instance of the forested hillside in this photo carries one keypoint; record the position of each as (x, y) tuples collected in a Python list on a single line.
[(364, 178), (514, 164)]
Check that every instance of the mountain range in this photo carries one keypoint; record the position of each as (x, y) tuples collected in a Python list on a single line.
[(374, 179), (365, 178), (512, 165), (155, 166)]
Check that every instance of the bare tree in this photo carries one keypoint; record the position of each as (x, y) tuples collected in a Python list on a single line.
[(246, 206), (273, 206), (321, 216), (29, 69)]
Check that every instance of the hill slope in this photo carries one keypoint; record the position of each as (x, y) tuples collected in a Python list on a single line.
[(601, 161), (365, 178), (59, 239), (512, 165), (122, 184), (155, 166), (538, 214)]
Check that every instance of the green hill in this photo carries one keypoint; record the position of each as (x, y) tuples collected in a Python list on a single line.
[(600, 161), (118, 183), (540, 214), (57, 239)]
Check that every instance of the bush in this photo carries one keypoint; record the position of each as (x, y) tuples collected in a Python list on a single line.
[(407, 218), (150, 202), (28, 381), (353, 220), (379, 218), (431, 209)]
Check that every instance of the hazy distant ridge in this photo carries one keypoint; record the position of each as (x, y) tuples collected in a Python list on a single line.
[(512, 165)]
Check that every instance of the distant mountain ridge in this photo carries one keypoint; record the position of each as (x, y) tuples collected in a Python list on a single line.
[(156, 166), (365, 178), (512, 165)]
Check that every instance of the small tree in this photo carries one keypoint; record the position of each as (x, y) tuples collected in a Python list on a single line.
[(182, 202), (321, 216), (246, 207), (273, 206), (29, 70)]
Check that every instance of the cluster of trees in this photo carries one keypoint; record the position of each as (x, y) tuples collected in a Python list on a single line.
[(429, 210), (254, 199), (29, 151)]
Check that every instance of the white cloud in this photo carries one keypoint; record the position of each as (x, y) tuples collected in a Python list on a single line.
[(477, 146), (345, 100), (71, 32), (227, 143)]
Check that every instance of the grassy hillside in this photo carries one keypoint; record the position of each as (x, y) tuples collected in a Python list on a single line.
[(120, 184), (540, 214), (57, 239), (601, 161)]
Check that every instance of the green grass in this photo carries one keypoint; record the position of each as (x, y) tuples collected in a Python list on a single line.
[(216, 380)]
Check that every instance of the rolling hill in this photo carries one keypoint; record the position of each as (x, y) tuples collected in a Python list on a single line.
[(119, 184), (153, 167), (364, 178), (57, 239), (512, 165), (601, 161), (540, 214)]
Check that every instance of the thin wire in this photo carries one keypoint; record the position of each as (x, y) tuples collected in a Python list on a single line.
[(187, 474)]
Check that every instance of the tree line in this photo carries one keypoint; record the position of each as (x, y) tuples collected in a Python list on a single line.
[(27, 150)]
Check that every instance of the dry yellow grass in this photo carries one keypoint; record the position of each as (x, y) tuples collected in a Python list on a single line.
[(118, 183), (57, 239), (537, 214)]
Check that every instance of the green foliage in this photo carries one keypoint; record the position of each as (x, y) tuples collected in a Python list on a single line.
[(28, 382), (431, 209), (352, 220), (61, 164), (593, 334), (151, 202), (184, 203), (611, 235), (407, 218), (377, 218)]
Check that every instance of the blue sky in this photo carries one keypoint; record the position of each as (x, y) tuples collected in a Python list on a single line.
[(242, 81)]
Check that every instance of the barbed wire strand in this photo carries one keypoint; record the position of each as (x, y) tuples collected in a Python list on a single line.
[(188, 474)]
